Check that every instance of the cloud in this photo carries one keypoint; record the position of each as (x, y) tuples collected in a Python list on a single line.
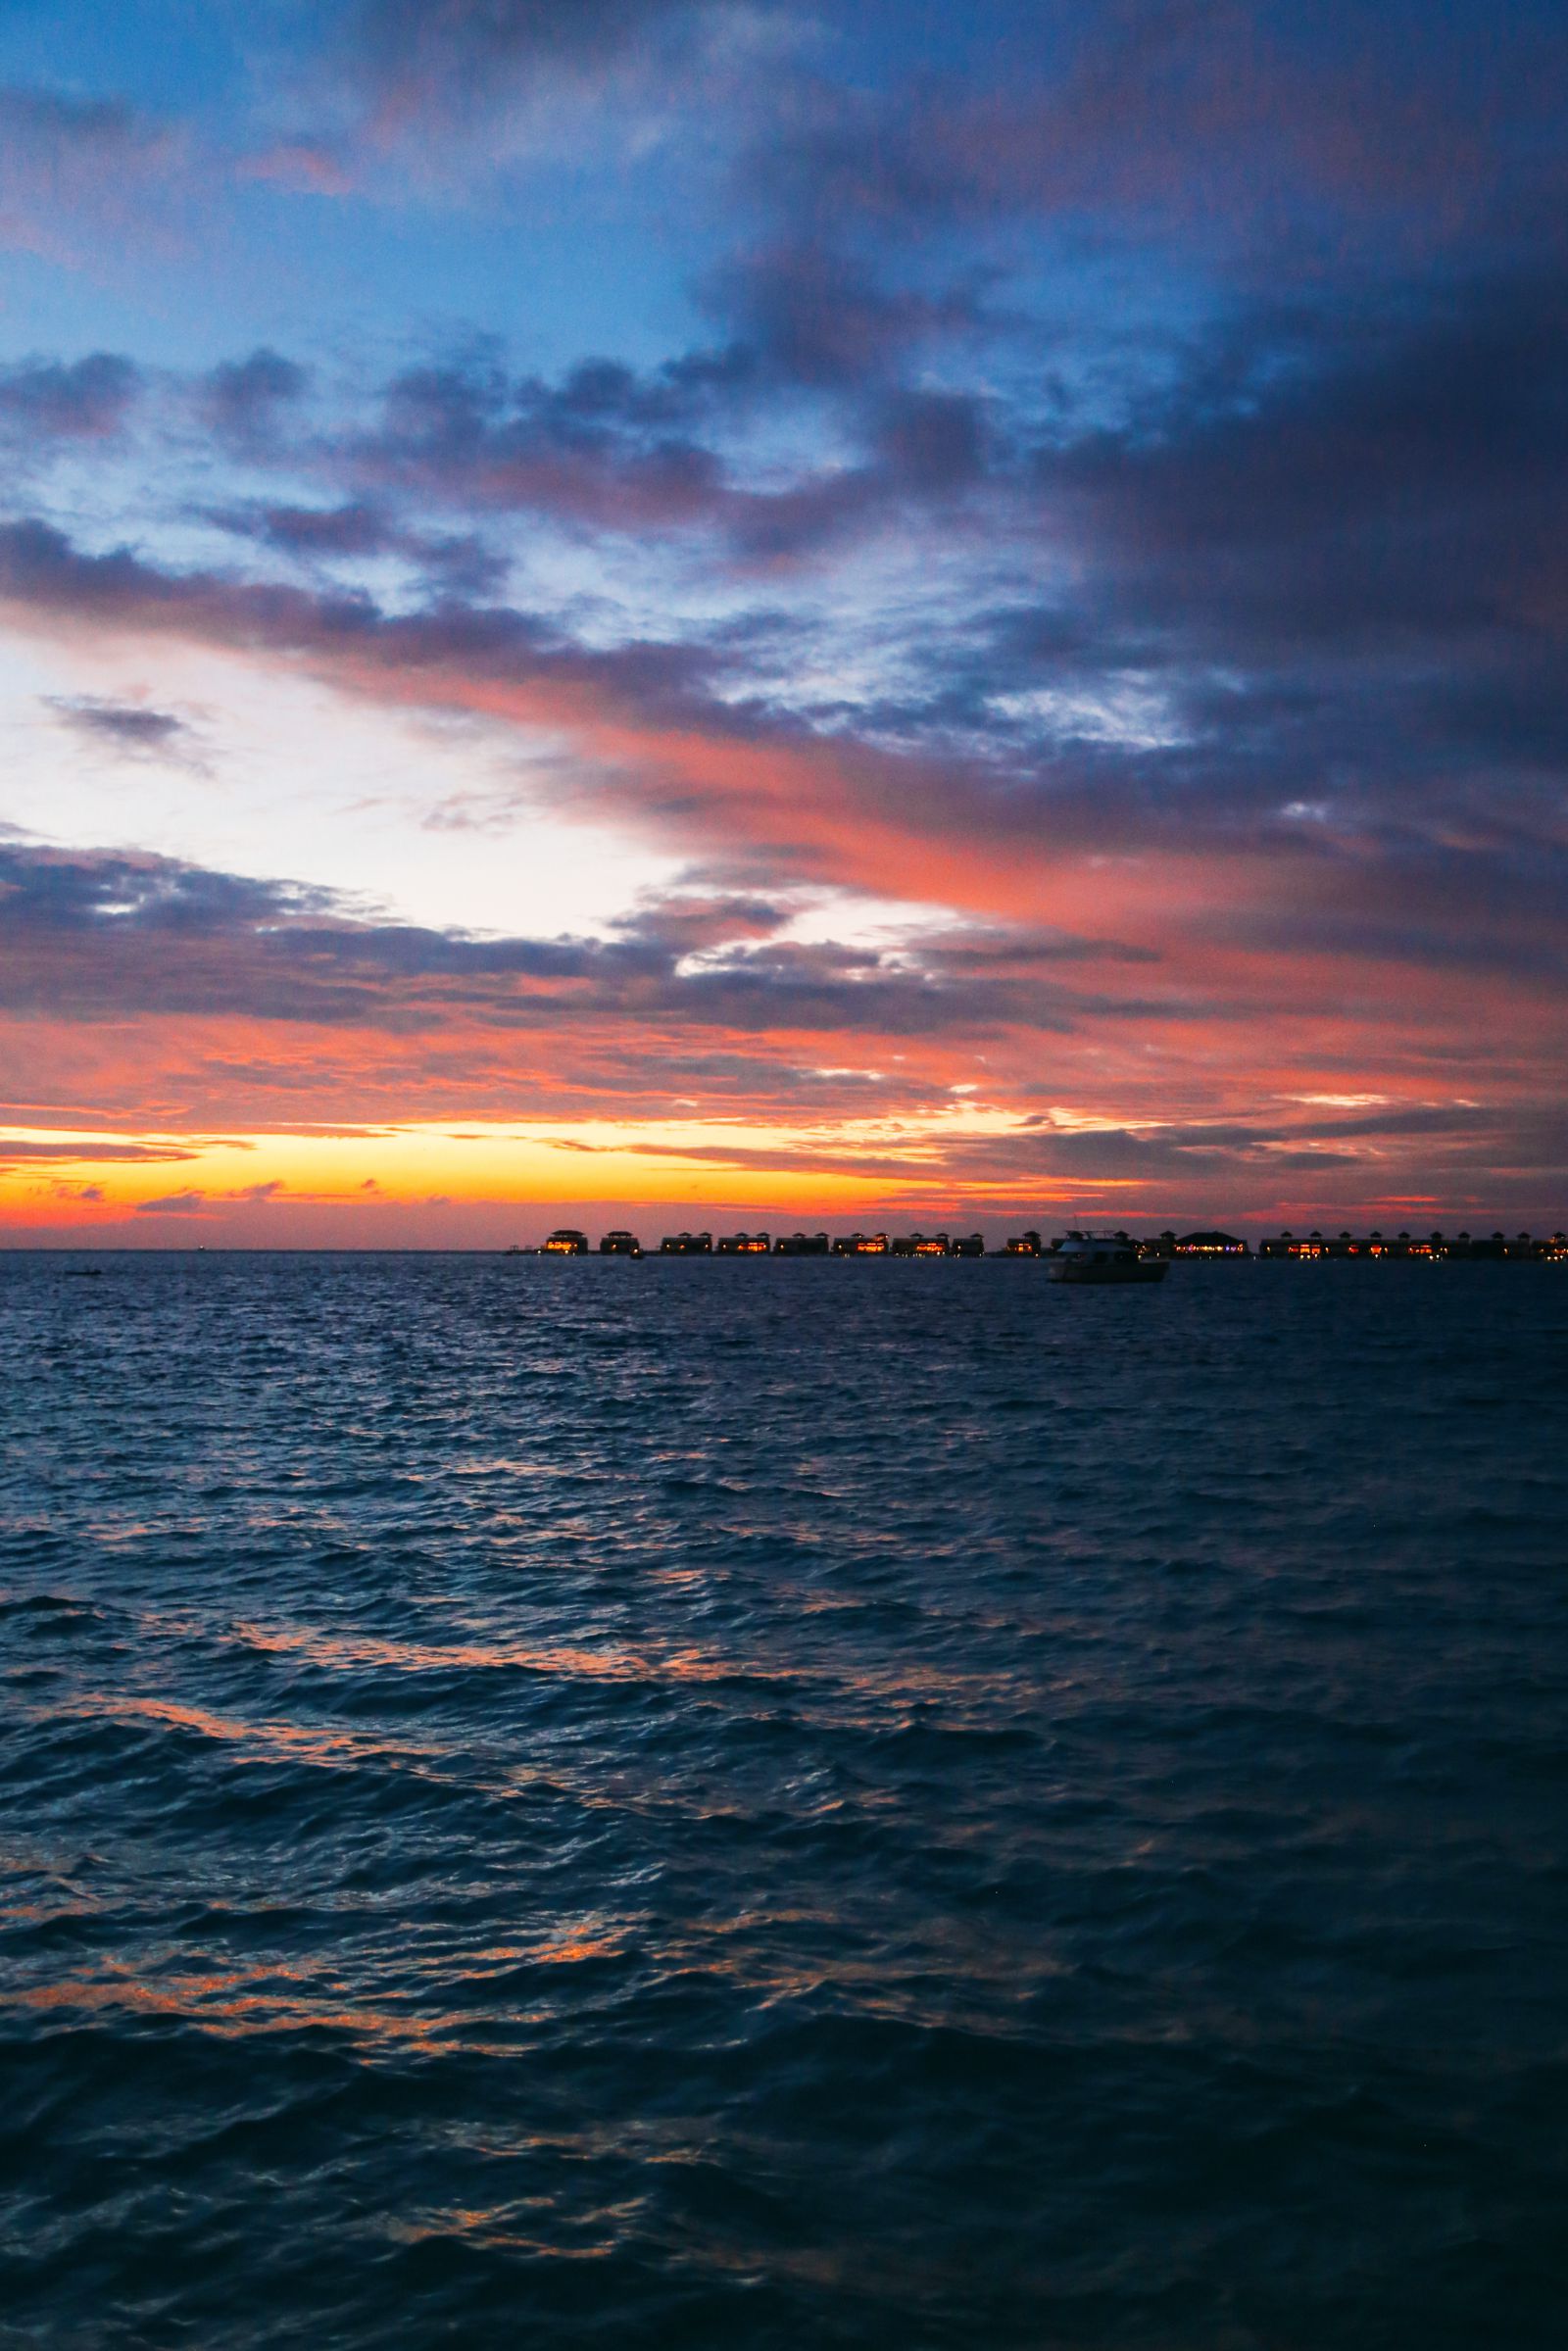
[(462, 61), (610, 449), (20, 1151), (478, 37), (447, 563), (268, 992), (132, 729), (244, 400), (174, 1203), (467, 92), (814, 315), (85, 400), (1244, 127), (97, 936), (1433, 843), (586, 453), (1348, 479), (1113, 491), (74, 169)]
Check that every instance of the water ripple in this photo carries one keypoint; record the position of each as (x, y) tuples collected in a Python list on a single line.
[(604, 1804)]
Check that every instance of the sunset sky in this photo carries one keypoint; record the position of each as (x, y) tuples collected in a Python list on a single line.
[(639, 610)]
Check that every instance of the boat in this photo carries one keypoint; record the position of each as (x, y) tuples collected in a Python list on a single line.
[(1102, 1258)]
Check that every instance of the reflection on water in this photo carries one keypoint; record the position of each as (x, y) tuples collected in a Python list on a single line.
[(544, 1807)]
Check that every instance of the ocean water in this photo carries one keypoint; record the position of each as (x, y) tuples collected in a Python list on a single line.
[(781, 1804)]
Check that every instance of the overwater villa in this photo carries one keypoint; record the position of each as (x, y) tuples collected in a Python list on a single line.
[(1514, 1248), (1522, 1248)]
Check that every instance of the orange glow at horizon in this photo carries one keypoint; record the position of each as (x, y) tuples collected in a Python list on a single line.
[(175, 1180)]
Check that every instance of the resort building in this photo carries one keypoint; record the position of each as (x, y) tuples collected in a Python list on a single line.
[(1428, 1247)]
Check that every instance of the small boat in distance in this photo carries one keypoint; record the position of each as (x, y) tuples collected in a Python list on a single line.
[(1102, 1258)]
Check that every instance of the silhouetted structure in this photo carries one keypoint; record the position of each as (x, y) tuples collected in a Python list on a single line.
[(1427, 1246), (1497, 1247)]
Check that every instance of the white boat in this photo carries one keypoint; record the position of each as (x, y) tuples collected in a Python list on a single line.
[(1102, 1258)]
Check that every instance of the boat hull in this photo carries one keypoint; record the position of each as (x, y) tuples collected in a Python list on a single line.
[(1106, 1269)]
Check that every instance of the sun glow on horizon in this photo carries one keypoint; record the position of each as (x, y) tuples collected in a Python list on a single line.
[(174, 1183)]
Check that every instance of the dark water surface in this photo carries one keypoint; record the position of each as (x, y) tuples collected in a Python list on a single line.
[(750, 1805)]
